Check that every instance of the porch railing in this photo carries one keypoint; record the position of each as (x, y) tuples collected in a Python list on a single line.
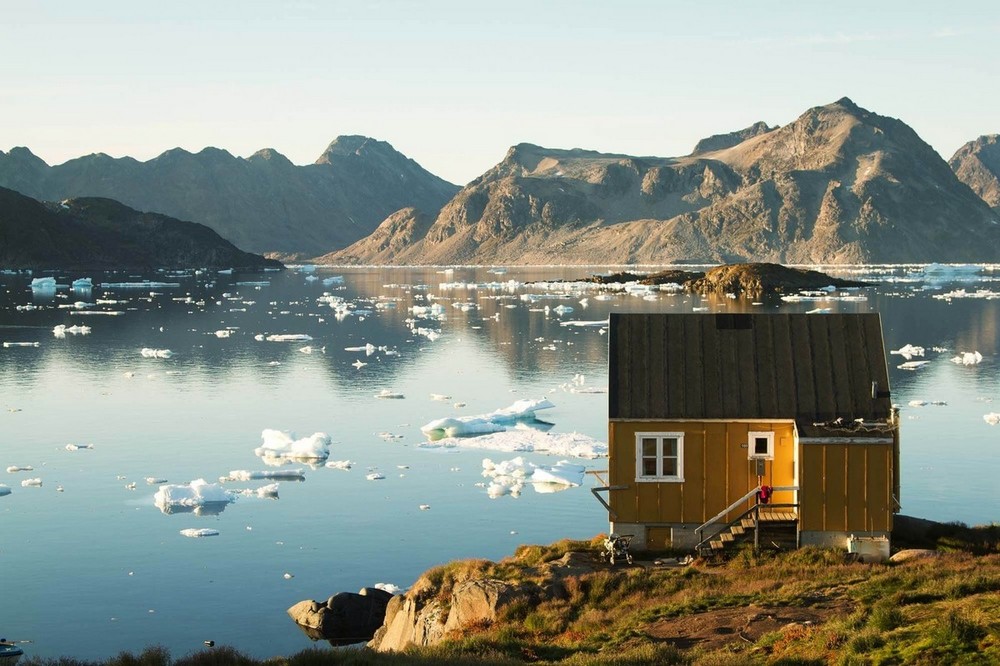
[(700, 530)]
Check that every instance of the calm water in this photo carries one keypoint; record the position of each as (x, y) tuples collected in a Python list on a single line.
[(96, 568)]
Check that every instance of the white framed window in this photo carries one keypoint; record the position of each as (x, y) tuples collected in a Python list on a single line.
[(659, 456), (760, 445)]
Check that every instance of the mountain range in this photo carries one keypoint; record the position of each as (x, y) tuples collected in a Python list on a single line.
[(102, 234), (840, 184), (263, 203)]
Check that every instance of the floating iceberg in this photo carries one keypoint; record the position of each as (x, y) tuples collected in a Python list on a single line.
[(37, 483), (278, 444), (908, 351), (83, 283), (203, 532), (4, 490), (968, 358), (16, 468), (992, 418), (247, 475), (600, 323), (286, 337), (148, 352), (195, 494), (497, 421), (8, 345), (61, 330), (912, 365), (528, 440), (386, 394), (79, 447), (510, 476), (43, 283)]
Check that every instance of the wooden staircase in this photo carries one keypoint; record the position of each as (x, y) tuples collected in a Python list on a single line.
[(774, 530)]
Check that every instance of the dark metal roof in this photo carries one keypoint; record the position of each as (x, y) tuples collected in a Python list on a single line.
[(815, 369)]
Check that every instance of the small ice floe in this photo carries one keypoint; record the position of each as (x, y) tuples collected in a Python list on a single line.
[(199, 532), (8, 345), (912, 365), (278, 444), (424, 507), (281, 474), (148, 352), (440, 396), (332, 280), (496, 421), (359, 364), (61, 330), (154, 480), (993, 418), (386, 394), (818, 311), (269, 491), (43, 283), (13, 469), (130, 486), (190, 495), (4, 490), (967, 358), (389, 587), (288, 576), (309, 349), (368, 349), (79, 447), (82, 284), (528, 440), (599, 323), (908, 351), (510, 476), (285, 337), (223, 333), (31, 483), (917, 403), (375, 475), (340, 464)]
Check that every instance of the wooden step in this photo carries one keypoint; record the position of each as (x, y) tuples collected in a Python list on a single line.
[(717, 545), (737, 530), (727, 537)]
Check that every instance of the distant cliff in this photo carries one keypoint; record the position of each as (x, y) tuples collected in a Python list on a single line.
[(96, 233), (977, 164), (838, 185), (263, 203)]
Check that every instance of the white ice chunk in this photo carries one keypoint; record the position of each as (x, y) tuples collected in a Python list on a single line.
[(968, 358), (223, 333), (148, 352), (289, 337), (368, 349), (386, 394), (992, 418), (8, 345), (19, 468), (388, 587), (79, 447), (600, 323), (912, 365), (197, 493), (375, 476), (496, 421), (43, 283), (37, 483), (908, 351), (247, 475), (529, 441), (83, 283), (202, 532), (280, 444), (340, 464)]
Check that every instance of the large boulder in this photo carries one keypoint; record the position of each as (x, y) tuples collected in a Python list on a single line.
[(345, 618)]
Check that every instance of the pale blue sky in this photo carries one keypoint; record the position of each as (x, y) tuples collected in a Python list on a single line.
[(454, 84)]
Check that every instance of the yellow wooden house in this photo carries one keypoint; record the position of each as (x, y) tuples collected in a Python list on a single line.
[(727, 427)]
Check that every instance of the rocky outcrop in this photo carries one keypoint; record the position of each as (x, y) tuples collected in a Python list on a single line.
[(102, 234), (263, 203), (427, 614), (838, 185), (977, 164), (345, 618), (757, 279)]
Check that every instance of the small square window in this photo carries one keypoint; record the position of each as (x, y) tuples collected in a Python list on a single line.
[(761, 445)]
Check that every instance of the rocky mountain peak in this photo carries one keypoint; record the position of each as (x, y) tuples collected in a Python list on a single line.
[(356, 146), (977, 164), (270, 155)]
